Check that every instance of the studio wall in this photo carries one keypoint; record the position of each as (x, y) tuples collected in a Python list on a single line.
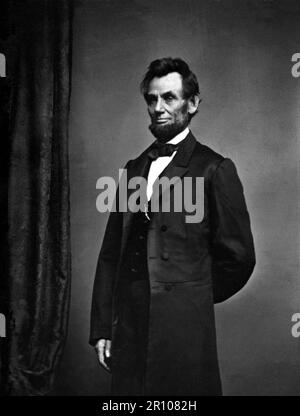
[(241, 53)]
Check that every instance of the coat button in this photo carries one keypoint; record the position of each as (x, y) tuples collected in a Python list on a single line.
[(115, 321), (163, 228), (168, 287), (133, 270), (165, 255)]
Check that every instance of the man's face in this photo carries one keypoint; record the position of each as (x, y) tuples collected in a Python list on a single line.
[(168, 110)]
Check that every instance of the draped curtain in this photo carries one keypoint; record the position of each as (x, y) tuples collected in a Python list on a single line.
[(39, 269)]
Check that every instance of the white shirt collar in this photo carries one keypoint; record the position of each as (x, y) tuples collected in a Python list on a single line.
[(182, 135)]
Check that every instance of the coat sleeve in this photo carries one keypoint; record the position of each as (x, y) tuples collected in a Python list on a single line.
[(101, 310), (233, 256)]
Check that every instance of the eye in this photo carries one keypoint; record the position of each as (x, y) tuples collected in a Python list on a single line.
[(150, 99), (169, 98)]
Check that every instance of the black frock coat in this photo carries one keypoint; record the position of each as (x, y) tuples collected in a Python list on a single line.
[(191, 266)]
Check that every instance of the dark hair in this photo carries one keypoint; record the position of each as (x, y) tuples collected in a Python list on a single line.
[(163, 66)]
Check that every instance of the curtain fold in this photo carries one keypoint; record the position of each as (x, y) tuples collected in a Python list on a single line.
[(38, 193)]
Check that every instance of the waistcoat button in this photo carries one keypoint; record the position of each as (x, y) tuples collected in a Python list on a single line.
[(165, 255)]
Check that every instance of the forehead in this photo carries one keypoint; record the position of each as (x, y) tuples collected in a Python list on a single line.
[(169, 82)]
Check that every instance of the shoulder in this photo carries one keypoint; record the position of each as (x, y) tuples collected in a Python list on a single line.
[(204, 151), (219, 169), (206, 157), (212, 164), (136, 160)]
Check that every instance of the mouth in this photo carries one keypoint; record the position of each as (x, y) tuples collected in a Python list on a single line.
[(161, 121)]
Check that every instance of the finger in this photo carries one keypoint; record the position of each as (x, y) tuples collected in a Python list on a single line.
[(107, 348), (100, 350), (101, 354), (107, 354)]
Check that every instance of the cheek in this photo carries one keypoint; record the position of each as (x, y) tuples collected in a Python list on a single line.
[(173, 111), (178, 115), (178, 110)]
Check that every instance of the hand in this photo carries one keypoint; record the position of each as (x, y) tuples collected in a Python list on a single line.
[(103, 351)]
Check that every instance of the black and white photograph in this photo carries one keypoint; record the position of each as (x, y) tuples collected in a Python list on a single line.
[(150, 200)]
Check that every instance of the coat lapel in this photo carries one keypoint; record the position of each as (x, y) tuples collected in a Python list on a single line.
[(177, 168), (138, 168)]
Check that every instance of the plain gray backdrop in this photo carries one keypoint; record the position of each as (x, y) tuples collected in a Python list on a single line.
[(241, 53)]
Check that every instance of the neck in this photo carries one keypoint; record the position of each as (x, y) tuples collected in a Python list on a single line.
[(180, 136)]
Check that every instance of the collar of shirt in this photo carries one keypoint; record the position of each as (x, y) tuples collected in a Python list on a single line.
[(182, 135), (158, 165)]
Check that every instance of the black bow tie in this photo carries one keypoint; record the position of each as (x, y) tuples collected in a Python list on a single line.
[(162, 149)]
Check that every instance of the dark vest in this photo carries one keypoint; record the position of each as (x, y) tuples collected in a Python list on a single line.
[(134, 265)]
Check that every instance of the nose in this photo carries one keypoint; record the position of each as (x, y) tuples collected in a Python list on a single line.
[(159, 106)]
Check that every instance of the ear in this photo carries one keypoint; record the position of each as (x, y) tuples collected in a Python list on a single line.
[(193, 103)]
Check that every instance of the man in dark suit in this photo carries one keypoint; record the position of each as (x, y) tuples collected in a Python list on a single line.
[(159, 273)]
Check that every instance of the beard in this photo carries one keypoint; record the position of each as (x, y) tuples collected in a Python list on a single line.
[(165, 132)]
